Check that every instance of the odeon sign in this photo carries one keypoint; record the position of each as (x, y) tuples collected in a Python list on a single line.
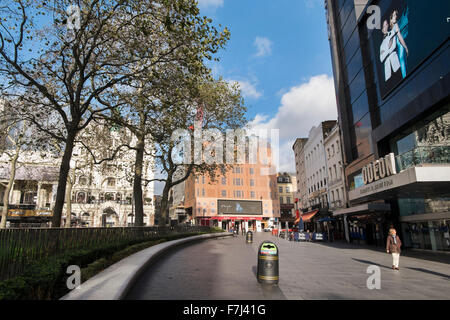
[(379, 169)]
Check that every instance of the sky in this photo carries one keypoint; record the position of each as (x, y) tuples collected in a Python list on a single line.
[(280, 55)]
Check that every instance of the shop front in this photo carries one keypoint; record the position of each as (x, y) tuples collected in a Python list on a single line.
[(419, 199), (366, 223)]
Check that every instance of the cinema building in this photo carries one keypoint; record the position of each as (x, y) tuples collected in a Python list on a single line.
[(391, 63)]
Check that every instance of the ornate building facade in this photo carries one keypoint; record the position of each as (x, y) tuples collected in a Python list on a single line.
[(101, 194)]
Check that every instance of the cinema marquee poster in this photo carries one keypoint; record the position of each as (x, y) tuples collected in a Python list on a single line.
[(410, 31)]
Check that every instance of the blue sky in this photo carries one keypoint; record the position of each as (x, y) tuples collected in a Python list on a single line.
[(279, 53)]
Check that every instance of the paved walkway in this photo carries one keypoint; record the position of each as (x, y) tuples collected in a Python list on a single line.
[(225, 269)]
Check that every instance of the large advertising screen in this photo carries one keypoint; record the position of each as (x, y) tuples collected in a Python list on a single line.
[(240, 207), (410, 31)]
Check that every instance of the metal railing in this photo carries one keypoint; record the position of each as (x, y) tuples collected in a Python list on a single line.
[(423, 155), (21, 247)]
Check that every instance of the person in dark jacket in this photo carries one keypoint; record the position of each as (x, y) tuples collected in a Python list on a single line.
[(393, 245)]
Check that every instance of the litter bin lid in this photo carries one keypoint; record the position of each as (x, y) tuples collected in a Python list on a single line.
[(268, 248)]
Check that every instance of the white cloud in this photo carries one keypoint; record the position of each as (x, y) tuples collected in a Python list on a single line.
[(210, 4), (248, 89), (302, 107), (264, 46)]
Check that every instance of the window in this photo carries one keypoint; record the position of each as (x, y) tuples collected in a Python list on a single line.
[(224, 181), (111, 182), (203, 179), (30, 198), (82, 181), (252, 194), (280, 189), (109, 196), (281, 200), (224, 193), (81, 197), (252, 183), (203, 192), (288, 189), (288, 200), (252, 171)]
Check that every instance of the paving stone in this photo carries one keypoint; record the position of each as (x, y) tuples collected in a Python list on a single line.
[(225, 269)]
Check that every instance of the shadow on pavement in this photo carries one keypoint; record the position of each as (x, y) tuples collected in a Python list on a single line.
[(371, 263), (440, 257), (254, 270), (445, 276)]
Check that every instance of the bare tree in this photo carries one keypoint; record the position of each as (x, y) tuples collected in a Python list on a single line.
[(75, 72), (19, 136)]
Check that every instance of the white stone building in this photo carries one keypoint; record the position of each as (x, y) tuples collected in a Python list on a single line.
[(101, 194), (316, 165), (336, 181)]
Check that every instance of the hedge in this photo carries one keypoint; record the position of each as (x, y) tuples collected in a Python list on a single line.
[(46, 280)]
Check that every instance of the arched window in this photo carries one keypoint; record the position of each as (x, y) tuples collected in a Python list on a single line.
[(81, 197), (82, 181), (109, 196), (111, 182)]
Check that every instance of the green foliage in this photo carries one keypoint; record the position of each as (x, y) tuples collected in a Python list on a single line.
[(46, 280)]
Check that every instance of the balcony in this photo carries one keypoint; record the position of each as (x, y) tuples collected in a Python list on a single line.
[(423, 155)]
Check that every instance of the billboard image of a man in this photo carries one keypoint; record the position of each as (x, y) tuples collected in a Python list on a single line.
[(388, 52)]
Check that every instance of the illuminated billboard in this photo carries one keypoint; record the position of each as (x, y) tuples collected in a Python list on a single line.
[(239, 207), (410, 31)]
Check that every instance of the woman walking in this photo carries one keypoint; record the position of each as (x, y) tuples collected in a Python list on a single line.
[(393, 246)]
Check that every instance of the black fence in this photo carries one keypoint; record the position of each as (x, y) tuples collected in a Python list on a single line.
[(21, 247)]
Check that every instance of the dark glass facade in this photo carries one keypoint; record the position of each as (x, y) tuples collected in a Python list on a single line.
[(392, 88)]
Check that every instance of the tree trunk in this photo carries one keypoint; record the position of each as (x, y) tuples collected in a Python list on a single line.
[(164, 212), (137, 183), (69, 201), (8, 189), (62, 181)]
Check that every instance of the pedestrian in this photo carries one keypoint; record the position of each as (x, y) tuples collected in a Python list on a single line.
[(393, 245), (308, 236)]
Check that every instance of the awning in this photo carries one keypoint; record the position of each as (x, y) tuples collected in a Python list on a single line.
[(364, 208), (308, 216)]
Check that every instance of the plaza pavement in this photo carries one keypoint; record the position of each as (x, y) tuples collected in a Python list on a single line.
[(225, 269)]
